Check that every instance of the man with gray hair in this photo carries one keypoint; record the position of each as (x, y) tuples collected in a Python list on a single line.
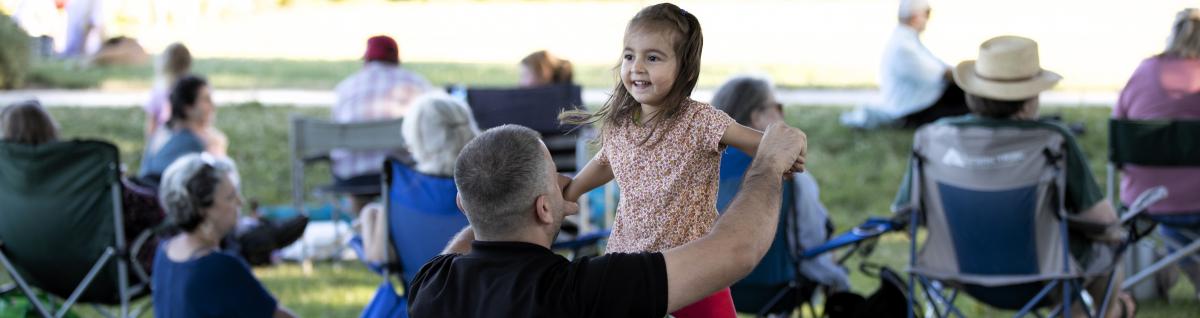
[(915, 86), (501, 265)]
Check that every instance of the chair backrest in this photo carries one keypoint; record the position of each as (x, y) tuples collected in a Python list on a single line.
[(61, 210), (987, 196), (422, 215), (312, 139), (536, 108), (1168, 143), (778, 266)]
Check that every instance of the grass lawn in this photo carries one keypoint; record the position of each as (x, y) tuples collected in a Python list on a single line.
[(317, 74), (858, 172)]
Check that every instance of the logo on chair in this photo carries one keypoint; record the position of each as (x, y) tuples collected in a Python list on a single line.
[(955, 159)]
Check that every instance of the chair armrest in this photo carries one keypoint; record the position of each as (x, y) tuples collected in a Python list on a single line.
[(1143, 202)]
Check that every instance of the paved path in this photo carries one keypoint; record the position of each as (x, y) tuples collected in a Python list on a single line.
[(324, 98)]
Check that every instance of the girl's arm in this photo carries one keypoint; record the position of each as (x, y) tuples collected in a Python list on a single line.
[(743, 138), (593, 175), (746, 139)]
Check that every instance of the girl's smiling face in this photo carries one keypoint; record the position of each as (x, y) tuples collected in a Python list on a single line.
[(649, 64)]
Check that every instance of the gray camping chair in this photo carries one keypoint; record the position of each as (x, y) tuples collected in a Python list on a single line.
[(1155, 143), (996, 231), (62, 229), (311, 141)]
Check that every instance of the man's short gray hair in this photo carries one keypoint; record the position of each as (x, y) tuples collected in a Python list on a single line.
[(436, 129), (189, 185), (499, 175)]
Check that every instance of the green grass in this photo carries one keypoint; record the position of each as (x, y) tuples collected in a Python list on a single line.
[(258, 142), (858, 172), (315, 74)]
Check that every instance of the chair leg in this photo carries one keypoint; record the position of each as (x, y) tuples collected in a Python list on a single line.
[(12, 271), (1160, 264), (1038, 298), (87, 280), (936, 296), (762, 312)]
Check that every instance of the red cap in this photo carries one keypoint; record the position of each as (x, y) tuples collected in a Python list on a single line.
[(382, 48)]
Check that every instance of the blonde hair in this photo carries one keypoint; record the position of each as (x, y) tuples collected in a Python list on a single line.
[(174, 62), (436, 129), (1184, 41)]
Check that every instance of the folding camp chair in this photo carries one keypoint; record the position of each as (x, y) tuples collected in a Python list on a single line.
[(311, 140), (778, 285), (996, 228), (536, 108), (62, 227), (1154, 143)]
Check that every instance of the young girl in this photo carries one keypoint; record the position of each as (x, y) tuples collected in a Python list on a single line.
[(663, 148)]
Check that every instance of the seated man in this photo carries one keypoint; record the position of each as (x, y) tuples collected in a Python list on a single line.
[(1002, 90), (513, 199), (915, 86), (381, 90)]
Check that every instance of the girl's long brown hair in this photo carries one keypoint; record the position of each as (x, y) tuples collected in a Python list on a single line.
[(621, 107)]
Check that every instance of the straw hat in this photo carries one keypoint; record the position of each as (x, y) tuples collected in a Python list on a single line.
[(1007, 69)]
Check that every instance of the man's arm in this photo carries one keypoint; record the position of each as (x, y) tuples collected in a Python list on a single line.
[(742, 236), (461, 243)]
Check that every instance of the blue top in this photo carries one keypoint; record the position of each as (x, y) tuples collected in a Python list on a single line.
[(213, 285), (422, 216), (182, 142)]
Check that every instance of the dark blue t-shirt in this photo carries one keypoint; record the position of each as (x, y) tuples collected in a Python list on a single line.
[(213, 285)]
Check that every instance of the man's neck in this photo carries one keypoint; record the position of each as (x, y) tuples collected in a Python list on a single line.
[(531, 236)]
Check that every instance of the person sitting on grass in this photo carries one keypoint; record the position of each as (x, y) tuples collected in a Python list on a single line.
[(192, 128), (193, 277)]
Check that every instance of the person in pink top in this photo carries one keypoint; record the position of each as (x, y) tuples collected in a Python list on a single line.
[(1167, 86), (663, 148)]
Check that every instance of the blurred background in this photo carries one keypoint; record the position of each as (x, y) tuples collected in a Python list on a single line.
[(815, 43)]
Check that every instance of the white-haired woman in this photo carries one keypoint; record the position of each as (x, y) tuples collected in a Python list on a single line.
[(435, 130), (192, 276), (1167, 86)]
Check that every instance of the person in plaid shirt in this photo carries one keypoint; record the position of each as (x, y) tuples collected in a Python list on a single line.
[(381, 90)]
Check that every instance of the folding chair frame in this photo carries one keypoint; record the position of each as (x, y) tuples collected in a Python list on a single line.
[(942, 303), (123, 260)]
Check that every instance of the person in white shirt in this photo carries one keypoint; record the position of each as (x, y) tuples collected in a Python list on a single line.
[(915, 86)]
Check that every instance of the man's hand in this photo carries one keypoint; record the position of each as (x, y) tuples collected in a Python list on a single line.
[(783, 148)]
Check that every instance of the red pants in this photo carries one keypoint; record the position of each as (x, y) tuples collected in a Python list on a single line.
[(717, 305)]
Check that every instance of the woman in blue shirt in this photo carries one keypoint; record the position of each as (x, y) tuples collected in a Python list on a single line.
[(192, 276)]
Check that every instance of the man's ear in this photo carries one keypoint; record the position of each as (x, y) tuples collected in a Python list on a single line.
[(458, 202), (541, 210)]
